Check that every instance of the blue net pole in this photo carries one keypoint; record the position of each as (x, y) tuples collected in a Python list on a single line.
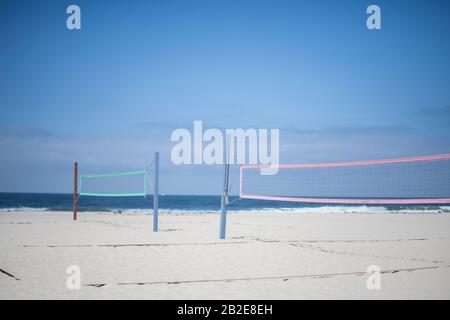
[(155, 193)]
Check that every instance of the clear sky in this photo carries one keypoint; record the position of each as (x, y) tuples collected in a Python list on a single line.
[(110, 94)]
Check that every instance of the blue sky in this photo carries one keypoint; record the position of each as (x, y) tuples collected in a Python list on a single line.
[(110, 94)]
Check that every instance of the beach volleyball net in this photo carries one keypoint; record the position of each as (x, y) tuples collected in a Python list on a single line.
[(124, 184), (144, 183), (416, 180)]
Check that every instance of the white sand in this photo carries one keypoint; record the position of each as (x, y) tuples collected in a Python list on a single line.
[(266, 256)]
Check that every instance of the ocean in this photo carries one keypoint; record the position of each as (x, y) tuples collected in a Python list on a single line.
[(184, 203)]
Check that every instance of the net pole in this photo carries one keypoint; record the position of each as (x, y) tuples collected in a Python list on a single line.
[(156, 193), (75, 190), (223, 202)]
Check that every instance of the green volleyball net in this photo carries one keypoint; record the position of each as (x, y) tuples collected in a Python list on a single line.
[(123, 184)]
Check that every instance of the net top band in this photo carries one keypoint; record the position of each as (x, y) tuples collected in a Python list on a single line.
[(350, 163), (108, 175)]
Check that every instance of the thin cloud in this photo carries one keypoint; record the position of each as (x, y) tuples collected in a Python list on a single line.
[(353, 130), (24, 132), (437, 113)]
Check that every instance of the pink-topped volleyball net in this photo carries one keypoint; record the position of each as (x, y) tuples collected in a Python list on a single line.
[(414, 180)]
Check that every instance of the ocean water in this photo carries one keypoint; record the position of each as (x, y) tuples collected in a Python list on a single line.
[(182, 203)]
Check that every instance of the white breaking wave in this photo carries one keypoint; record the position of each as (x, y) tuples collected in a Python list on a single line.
[(132, 211), (341, 209), (23, 209), (161, 210), (350, 209), (302, 210), (325, 209)]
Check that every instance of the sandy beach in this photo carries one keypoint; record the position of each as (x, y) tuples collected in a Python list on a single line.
[(267, 255)]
